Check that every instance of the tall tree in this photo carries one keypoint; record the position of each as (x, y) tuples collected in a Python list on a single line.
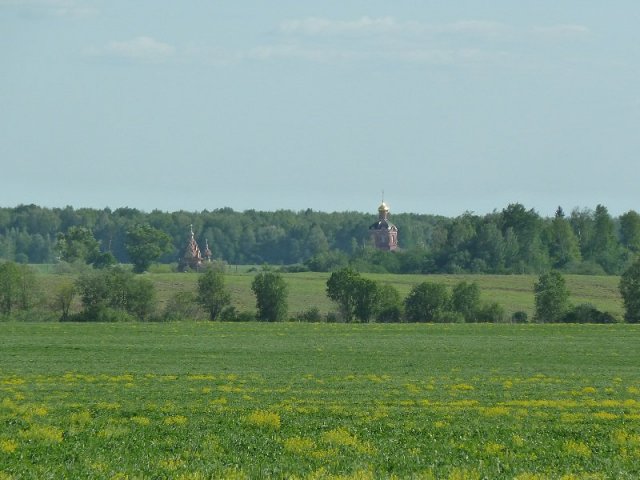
[(551, 297), (271, 293), (78, 244), (341, 289), (63, 298), (17, 285), (630, 230), (465, 299), (604, 242), (630, 291), (212, 293), (390, 306), (562, 241), (145, 244), (366, 293)]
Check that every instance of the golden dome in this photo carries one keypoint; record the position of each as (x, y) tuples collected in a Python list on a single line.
[(383, 207)]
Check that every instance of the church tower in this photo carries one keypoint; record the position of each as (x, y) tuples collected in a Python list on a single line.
[(383, 232), (192, 258)]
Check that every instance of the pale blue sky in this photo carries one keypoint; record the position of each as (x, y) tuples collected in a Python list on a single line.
[(447, 106)]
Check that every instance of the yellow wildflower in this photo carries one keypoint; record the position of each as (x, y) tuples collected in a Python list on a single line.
[(264, 419), (8, 446), (580, 449), (175, 420)]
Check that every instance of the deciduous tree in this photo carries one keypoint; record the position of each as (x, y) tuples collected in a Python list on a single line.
[(271, 292), (212, 293), (426, 301), (630, 291), (78, 244), (63, 298), (145, 244), (341, 289), (465, 299), (551, 297)]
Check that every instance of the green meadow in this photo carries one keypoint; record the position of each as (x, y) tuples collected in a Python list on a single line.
[(200, 400), (308, 289)]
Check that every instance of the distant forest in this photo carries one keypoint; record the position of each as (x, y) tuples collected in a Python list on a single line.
[(512, 240)]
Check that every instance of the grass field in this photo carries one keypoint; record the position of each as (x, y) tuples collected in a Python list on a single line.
[(215, 400), (513, 292)]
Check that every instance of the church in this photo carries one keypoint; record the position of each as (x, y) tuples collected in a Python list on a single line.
[(384, 233), (193, 257)]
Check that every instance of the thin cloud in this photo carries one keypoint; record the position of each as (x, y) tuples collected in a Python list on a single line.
[(562, 31), (273, 52), (325, 26), (142, 48), (56, 8), (315, 26), (474, 27)]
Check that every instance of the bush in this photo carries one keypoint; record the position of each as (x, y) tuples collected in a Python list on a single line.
[(519, 317), (104, 292), (465, 299), (426, 301), (75, 268), (390, 314), (108, 315), (245, 317), (34, 315), (182, 306), (390, 308), (334, 317), (491, 313), (295, 268), (587, 313), (310, 315), (449, 317)]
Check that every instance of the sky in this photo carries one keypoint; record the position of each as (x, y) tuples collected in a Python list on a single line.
[(446, 107)]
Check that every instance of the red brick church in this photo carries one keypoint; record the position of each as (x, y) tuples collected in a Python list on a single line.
[(384, 233)]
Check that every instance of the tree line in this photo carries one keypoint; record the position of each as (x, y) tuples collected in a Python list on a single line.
[(115, 293), (512, 240)]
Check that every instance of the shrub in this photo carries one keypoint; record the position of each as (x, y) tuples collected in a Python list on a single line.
[(465, 299), (448, 316), (312, 314), (334, 317), (520, 317), (390, 306), (182, 306), (245, 317), (587, 313), (390, 314), (491, 313), (104, 292), (425, 301)]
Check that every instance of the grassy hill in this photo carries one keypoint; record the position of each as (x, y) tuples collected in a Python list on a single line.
[(513, 292)]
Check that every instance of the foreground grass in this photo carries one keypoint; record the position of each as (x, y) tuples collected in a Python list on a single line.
[(210, 400)]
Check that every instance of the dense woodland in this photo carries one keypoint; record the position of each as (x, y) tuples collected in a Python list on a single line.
[(513, 240)]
